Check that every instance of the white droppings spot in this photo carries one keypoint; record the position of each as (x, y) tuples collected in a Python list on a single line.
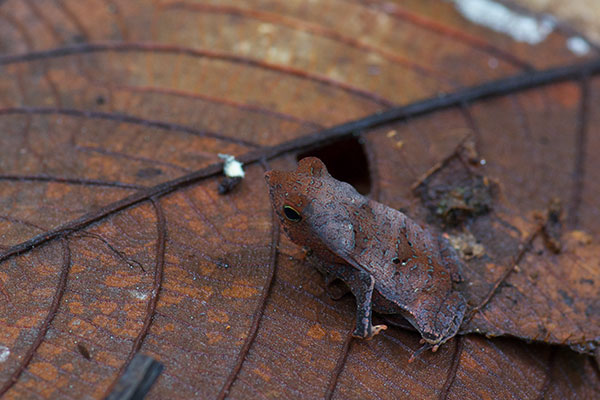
[(138, 295), (4, 353), (500, 18), (578, 46), (232, 167)]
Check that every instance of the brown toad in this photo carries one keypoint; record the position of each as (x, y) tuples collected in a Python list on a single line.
[(390, 263)]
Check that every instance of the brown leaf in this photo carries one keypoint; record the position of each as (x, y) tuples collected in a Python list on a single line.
[(115, 239)]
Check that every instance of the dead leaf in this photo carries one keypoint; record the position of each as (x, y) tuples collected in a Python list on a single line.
[(112, 116)]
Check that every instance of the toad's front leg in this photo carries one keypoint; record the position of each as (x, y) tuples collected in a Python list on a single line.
[(361, 284)]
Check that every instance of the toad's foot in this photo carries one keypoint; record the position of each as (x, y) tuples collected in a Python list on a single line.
[(369, 333), (376, 329)]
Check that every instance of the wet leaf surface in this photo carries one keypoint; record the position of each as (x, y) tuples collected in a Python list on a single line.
[(114, 238)]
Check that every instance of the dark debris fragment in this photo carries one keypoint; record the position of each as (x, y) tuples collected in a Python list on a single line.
[(234, 173), (227, 184), (137, 379), (84, 351), (552, 226), (454, 193)]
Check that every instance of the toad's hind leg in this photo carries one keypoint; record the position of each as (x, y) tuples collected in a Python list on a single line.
[(361, 284)]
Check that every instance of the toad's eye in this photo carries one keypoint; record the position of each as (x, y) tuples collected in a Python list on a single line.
[(292, 214)]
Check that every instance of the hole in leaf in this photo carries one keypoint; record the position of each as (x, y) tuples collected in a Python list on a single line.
[(346, 161)]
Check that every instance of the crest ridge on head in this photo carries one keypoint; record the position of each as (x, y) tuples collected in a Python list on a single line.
[(311, 166)]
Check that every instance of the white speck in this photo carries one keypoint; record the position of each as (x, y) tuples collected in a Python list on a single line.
[(579, 46), (499, 18), (482, 161), (232, 167), (138, 295), (4, 353)]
